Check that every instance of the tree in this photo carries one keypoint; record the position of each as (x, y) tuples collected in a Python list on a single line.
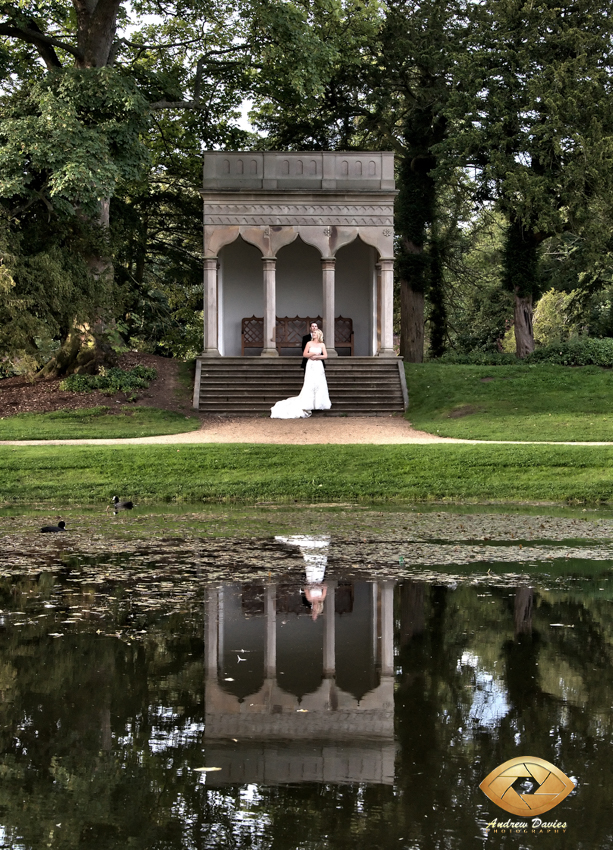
[(532, 113), (379, 80), (78, 103)]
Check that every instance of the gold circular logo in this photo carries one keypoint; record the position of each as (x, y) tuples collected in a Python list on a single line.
[(527, 786)]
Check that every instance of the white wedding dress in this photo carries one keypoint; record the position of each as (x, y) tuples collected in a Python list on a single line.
[(313, 395)]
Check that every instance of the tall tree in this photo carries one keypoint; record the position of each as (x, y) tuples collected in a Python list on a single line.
[(412, 79), (532, 112), (76, 114)]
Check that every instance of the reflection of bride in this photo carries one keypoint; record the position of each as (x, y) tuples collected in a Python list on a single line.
[(315, 563), (314, 392)]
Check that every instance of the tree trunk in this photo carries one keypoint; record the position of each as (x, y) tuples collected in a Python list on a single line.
[(411, 323), (438, 310), (524, 334), (521, 277), (96, 25)]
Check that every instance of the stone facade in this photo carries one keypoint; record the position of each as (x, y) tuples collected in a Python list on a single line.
[(327, 200)]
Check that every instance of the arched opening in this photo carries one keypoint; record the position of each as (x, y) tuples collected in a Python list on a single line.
[(356, 645), (240, 292), (300, 646), (356, 293), (242, 634), (299, 289)]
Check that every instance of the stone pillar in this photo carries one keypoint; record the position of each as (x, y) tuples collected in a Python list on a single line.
[(211, 346), (329, 632), (387, 628), (270, 611), (270, 308), (387, 309), (210, 633), (374, 604), (327, 273), (220, 628)]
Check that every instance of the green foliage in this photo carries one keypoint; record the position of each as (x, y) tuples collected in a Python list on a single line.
[(95, 422), (52, 285), (111, 380), (597, 313), (69, 138), (532, 114), (577, 351), (478, 358), (555, 317), (310, 61)]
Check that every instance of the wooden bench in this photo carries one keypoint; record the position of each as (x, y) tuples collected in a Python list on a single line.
[(289, 333)]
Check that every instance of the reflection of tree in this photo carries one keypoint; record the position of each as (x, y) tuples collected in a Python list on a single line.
[(83, 741), (412, 622), (65, 700), (521, 655), (522, 614)]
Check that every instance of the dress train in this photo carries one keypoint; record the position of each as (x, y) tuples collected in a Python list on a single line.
[(313, 395)]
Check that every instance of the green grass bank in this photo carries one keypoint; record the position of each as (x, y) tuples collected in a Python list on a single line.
[(527, 402), (96, 423), (63, 475)]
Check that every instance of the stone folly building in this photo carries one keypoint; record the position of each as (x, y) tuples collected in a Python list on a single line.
[(290, 238)]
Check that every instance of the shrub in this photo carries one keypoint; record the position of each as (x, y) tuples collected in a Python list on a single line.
[(578, 351), (479, 358), (111, 381)]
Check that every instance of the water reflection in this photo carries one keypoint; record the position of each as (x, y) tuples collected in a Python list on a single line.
[(369, 725), (314, 552), (282, 714)]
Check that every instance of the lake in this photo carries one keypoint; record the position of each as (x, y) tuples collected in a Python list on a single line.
[(323, 677)]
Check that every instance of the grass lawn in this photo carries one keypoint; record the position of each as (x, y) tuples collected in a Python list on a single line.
[(62, 475), (95, 423), (540, 402)]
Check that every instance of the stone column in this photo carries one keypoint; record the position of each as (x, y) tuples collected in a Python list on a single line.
[(210, 633), (329, 632), (374, 605), (220, 628), (211, 347), (327, 273), (387, 309), (387, 628), (270, 308), (270, 610)]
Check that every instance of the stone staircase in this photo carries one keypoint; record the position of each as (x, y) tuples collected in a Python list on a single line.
[(249, 386)]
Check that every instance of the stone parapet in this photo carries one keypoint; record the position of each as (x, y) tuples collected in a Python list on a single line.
[(317, 171), (296, 762)]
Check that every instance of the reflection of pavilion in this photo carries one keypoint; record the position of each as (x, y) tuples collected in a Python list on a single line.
[(313, 701)]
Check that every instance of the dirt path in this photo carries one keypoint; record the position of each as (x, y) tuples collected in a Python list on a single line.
[(332, 430)]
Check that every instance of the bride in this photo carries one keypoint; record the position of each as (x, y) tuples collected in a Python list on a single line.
[(314, 392)]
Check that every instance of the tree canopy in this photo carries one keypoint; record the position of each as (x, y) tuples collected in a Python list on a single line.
[(106, 108)]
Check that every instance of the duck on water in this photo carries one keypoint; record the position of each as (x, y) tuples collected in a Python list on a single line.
[(61, 526), (122, 506)]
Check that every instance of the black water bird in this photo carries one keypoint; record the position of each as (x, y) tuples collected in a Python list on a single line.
[(122, 506), (61, 526)]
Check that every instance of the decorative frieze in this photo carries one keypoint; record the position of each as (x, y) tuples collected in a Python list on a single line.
[(283, 215)]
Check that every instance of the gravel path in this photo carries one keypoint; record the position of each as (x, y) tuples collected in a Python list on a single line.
[(328, 430)]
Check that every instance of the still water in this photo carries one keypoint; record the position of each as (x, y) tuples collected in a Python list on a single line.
[(188, 689)]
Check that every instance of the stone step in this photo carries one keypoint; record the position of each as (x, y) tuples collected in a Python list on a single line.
[(250, 386), (341, 386)]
